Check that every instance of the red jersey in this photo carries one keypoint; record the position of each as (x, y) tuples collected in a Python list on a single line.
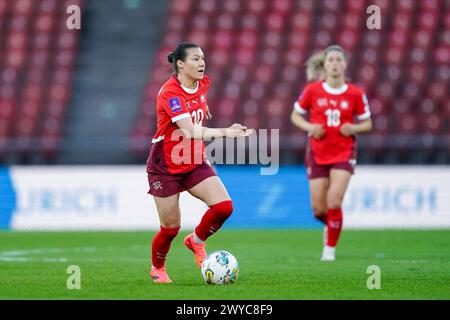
[(332, 108), (175, 102)]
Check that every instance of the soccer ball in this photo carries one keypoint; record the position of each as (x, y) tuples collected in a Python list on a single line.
[(220, 267)]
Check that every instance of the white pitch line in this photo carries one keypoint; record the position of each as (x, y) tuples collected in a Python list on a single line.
[(26, 255)]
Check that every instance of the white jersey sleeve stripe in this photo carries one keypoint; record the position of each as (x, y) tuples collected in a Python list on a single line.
[(299, 109), (160, 138), (181, 116), (364, 116)]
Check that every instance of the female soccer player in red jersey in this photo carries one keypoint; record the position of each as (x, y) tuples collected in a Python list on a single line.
[(177, 161), (331, 152)]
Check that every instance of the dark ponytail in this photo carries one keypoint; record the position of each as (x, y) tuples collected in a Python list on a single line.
[(170, 57), (179, 53)]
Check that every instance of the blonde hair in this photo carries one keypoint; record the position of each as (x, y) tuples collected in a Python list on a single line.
[(315, 69)]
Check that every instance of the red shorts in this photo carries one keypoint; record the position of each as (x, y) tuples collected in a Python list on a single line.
[(315, 170), (166, 185)]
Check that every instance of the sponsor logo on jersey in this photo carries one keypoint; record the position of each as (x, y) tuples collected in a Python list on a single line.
[(322, 102), (175, 104)]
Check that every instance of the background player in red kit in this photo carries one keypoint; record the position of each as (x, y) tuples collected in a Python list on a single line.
[(177, 162), (331, 152)]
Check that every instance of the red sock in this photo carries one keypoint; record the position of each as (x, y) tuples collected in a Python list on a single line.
[(161, 245), (213, 219), (334, 223)]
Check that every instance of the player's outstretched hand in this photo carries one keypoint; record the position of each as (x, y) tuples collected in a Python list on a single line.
[(237, 131), (347, 129), (317, 131)]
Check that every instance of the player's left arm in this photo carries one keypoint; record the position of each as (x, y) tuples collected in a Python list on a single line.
[(208, 114), (364, 126), (363, 114)]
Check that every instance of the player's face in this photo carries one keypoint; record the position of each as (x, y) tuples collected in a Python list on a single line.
[(335, 64), (194, 65)]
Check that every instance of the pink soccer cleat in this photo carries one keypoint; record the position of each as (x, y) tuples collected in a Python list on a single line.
[(197, 248), (159, 275)]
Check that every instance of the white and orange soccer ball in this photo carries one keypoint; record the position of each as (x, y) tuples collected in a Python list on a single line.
[(220, 267)]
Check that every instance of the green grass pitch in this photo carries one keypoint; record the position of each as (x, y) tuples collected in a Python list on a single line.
[(274, 264)]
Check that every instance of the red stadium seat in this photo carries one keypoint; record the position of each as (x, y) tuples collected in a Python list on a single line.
[(272, 39), (393, 73), (7, 108), (301, 22), (198, 37), (437, 91), (223, 40), (331, 6), (430, 5), (183, 7), (244, 57), (381, 124), (42, 41), (328, 22), (406, 6), (356, 6), (248, 39), (298, 40), (232, 6), (322, 39), (15, 59), (239, 75), (282, 6), (394, 55), (9, 75), (373, 40), (352, 21), (432, 123), (422, 39), (176, 23), (256, 7), (225, 22), (348, 39), (17, 40), (49, 6), (418, 73), (399, 39), (411, 91), (44, 23), (442, 55), (40, 59), (249, 22), (207, 6), (403, 21), (270, 56), (274, 22), (406, 124), (201, 22), (428, 21)]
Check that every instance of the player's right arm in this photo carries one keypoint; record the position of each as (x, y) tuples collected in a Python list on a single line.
[(301, 107)]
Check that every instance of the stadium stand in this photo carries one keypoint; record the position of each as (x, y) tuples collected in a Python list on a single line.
[(37, 60), (256, 50)]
